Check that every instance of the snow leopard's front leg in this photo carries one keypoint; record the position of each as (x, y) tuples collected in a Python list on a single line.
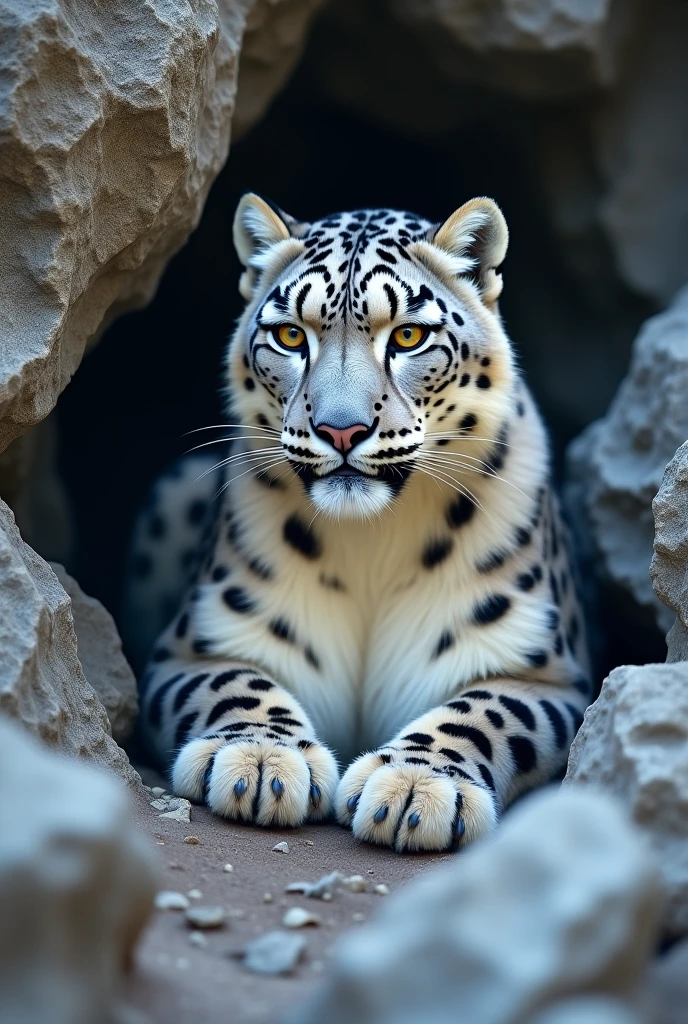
[(443, 780), (237, 741)]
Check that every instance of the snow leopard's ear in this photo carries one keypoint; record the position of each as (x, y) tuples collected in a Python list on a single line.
[(263, 236), (476, 236)]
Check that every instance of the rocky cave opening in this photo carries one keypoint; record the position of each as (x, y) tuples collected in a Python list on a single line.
[(325, 144)]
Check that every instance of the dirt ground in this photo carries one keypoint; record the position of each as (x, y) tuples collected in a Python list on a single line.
[(175, 982)]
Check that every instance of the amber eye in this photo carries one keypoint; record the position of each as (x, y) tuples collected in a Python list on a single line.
[(290, 336), (408, 336)]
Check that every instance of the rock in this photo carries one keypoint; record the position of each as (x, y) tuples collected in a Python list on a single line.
[(192, 840), (381, 889), (274, 953), (100, 653), (77, 882), (297, 917), (543, 48), (354, 883), (195, 894), (228, 868), (561, 904), (177, 809), (669, 566), (198, 939), (281, 848), (634, 743), (116, 120), (205, 917), (667, 986), (615, 466), (42, 683), (166, 899), (158, 791), (320, 890)]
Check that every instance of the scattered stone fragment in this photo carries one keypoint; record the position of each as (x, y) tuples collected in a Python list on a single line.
[(160, 804), (281, 848), (198, 939), (381, 889), (166, 899), (228, 868), (267, 897), (327, 896), (320, 890), (205, 917), (274, 953), (178, 809), (355, 883), (195, 894), (192, 840), (158, 791), (308, 842), (297, 917)]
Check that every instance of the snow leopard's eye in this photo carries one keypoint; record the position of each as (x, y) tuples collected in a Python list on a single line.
[(289, 336), (409, 336)]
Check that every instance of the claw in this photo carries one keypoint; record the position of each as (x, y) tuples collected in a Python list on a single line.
[(315, 795), (277, 787), (352, 802), (240, 787), (460, 828), (413, 820), (380, 814)]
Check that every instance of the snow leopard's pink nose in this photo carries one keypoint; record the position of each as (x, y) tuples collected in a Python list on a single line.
[(343, 440)]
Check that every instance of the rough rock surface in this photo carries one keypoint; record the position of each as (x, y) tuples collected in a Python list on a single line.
[(540, 48), (76, 885), (101, 657), (669, 566), (634, 743), (115, 120), (560, 905), (615, 466), (42, 683)]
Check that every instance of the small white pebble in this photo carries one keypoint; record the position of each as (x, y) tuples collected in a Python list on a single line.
[(281, 848), (166, 899), (355, 883), (358, 917), (158, 791), (195, 894), (192, 840), (381, 889), (267, 897), (160, 805), (198, 939), (228, 868), (297, 917), (326, 896), (308, 842), (205, 917)]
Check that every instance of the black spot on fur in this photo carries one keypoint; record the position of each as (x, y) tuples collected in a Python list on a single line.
[(196, 512), (311, 657), (418, 737), (156, 704), (460, 512), (261, 684), (468, 732), (487, 776), (219, 573), (161, 654), (523, 753), (526, 581), (491, 609), (445, 641), (184, 727), (576, 716), (468, 422), (479, 694), (231, 704), (557, 722), (451, 755), (538, 659), (436, 551), (182, 626), (301, 538), (519, 710), (495, 718), (462, 706), (280, 628), (238, 600), (184, 692), (483, 382), (249, 384), (228, 677)]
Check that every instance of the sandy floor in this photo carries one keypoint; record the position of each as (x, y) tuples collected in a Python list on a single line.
[(175, 982)]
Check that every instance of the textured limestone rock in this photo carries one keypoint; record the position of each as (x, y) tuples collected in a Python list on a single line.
[(562, 904), (115, 120), (101, 657), (668, 986), (669, 566), (76, 886), (42, 683), (615, 466), (540, 48), (634, 743)]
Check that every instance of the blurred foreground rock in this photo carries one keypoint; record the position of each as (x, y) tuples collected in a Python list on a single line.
[(634, 743), (669, 566), (42, 683), (76, 886), (100, 653), (559, 910), (617, 464), (668, 986)]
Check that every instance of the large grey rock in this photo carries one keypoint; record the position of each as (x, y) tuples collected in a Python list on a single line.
[(559, 906), (100, 652), (634, 744), (76, 886), (669, 566), (42, 683), (668, 986), (114, 121), (615, 467)]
